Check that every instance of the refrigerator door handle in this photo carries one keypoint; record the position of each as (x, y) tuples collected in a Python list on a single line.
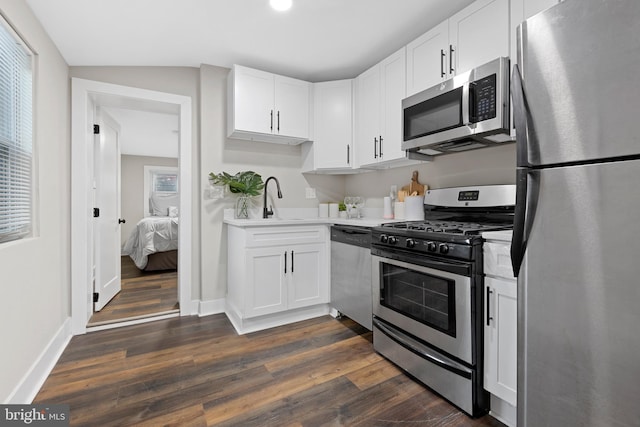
[(527, 192), (520, 118)]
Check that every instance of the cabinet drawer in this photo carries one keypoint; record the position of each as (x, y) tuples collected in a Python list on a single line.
[(497, 260), (285, 235)]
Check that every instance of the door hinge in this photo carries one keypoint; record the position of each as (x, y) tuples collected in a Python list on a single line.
[(96, 212), (96, 129), (95, 296)]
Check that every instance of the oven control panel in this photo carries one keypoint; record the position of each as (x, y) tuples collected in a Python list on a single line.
[(428, 246)]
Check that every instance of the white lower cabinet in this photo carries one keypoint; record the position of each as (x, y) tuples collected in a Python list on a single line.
[(500, 338), (276, 275), (500, 329)]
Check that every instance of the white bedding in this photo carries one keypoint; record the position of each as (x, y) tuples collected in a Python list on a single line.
[(152, 234)]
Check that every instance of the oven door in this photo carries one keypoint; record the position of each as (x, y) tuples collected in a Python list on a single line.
[(428, 302)]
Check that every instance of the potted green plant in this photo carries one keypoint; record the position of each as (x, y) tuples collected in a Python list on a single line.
[(342, 210), (246, 184)]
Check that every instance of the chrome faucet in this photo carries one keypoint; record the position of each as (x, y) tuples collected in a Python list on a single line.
[(267, 212)]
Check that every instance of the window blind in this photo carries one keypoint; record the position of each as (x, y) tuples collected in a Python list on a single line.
[(16, 147)]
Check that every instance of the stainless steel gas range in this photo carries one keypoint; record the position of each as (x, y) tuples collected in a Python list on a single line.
[(427, 290)]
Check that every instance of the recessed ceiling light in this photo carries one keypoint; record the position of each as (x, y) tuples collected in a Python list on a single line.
[(280, 5)]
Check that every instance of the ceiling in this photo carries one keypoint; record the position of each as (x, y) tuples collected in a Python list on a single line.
[(317, 40)]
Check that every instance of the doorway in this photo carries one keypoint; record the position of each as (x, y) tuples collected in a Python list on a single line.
[(87, 97), (147, 233)]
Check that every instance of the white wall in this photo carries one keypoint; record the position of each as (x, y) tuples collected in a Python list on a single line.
[(145, 133), (496, 165), (35, 273)]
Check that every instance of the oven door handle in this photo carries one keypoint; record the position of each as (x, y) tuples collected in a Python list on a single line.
[(423, 351), (424, 263)]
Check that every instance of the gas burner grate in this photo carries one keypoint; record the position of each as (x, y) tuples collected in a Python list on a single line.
[(451, 227)]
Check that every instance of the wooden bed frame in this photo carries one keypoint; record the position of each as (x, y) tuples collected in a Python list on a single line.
[(162, 261)]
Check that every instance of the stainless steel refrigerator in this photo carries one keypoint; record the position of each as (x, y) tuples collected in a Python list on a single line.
[(576, 245)]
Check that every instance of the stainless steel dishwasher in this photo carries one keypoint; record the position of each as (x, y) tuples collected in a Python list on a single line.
[(351, 292)]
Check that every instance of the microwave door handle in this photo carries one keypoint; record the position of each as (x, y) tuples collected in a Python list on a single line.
[(465, 104)]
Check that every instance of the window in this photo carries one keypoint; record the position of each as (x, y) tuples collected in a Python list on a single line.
[(160, 181), (164, 182), (16, 146)]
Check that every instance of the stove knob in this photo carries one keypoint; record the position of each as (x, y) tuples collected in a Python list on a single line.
[(384, 238), (410, 243), (393, 240), (431, 247), (444, 249)]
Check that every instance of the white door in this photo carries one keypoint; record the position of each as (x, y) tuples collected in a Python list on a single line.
[(392, 92), (267, 270), (427, 59), (291, 99), (107, 201), (308, 280), (254, 100), (500, 338), (368, 116), (333, 124), (471, 47)]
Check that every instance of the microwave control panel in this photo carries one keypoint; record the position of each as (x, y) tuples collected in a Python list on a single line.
[(484, 99)]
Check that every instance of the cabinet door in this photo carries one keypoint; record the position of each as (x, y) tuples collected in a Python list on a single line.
[(291, 115), (266, 290), (308, 277), (253, 100), (368, 116), (500, 338), (333, 124), (426, 58), (392, 92), (478, 34)]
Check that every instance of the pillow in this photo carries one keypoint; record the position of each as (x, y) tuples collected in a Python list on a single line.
[(159, 203), (172, 211)]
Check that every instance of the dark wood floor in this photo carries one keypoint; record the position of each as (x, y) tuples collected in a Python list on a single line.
[(194, 371), (143, 294)]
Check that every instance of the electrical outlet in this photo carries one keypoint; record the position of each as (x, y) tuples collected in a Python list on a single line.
[(310, 193)]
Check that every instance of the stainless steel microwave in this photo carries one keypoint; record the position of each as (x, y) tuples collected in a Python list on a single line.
[(466, 112)]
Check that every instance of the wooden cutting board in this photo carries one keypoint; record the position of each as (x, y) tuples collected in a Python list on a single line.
[(415, 186)]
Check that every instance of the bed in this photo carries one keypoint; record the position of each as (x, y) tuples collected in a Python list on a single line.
[(153, 243)]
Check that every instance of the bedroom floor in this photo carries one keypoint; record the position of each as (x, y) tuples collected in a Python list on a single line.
[(143, 294)]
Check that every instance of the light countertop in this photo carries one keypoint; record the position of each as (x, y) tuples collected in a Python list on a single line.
[(259, 222), (502, 235)]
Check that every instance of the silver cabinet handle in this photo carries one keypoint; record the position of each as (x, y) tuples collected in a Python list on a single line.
[(489, 317)]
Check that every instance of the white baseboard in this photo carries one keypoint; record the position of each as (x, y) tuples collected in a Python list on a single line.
[(32, 381), (189, 309), (503, 411), (215, 306), (246, 326)]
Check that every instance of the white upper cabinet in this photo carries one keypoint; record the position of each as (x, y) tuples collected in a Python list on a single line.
[(368, 116), (475, 35), (332, 148), (478, 34), (267, 107), (380, 91), (426, 57)]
